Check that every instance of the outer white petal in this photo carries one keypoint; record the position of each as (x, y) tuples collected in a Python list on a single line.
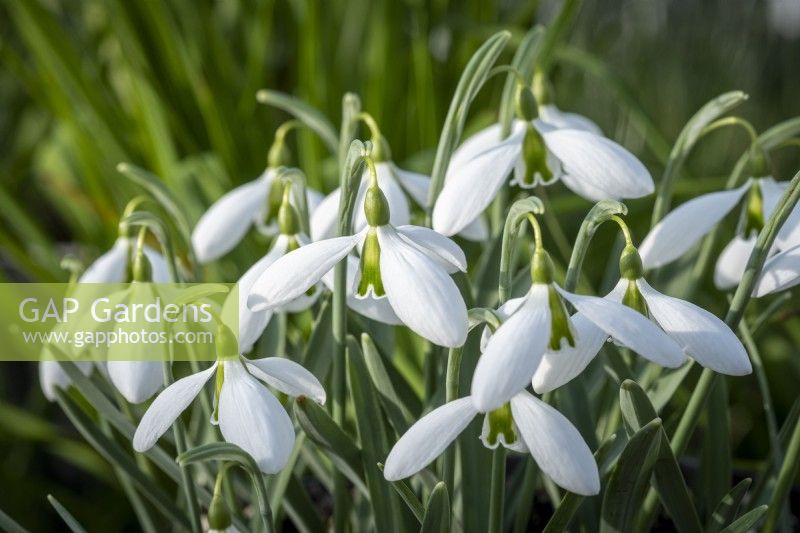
[(560, 367), (296, 272), (378, 309), (421, 292), (399, 212), (789, 234), (473, 145), (167, 407), (597, 168), (109, 267), (137, 381), (323, 219), (252, 324), (477, 230), (504, 311), (702, 335), (287, 376), (470, 187), (780, 272), (685, 225), (228, 219), (629, 327), (253, 419), (568, 121), (513, 352), (158, 264), (732, 262), (51, 376), (436, 246), (428, 438), (416, 185), (556, 445)]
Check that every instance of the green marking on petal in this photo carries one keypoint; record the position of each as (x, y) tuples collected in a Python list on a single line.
[(274, 200), (371, 267), (501, 423), (633, 298), (534, 156), (754, 210), (220, 379), (560, 328)]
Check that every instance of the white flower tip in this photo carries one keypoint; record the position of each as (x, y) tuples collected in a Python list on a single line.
[(141, 443), (256, 302), (123, 167)]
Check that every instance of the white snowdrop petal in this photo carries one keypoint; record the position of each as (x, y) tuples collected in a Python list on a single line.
[(556, 445), (732, 262), (436, 246), (253, 419), (109, 267), (470, 187), (477, 230), (685, 225), (324, 218), (399, 211), (296, 272), (226, 222), (167, 407), (428, 438), (513, 352), (560, 367), (416, 185), (421, 292), (565, 120), (629, 327), (597, 168), (702, 335), (780, 272), (504, 311), (158, 265), (136, 380), (52, 376), (287, 376)]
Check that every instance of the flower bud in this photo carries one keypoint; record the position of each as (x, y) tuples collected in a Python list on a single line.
[(376, 207), (630, 263), (219, 517), (525, 103)]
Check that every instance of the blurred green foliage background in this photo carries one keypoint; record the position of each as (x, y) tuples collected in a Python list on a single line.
[(170, 87)]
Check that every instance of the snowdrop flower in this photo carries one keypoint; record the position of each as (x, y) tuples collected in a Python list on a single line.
[(684, 226), (407, 265), (780, 272), (700, 334), (591, 165), (290, 237), (538, 323), (248, 414), (395, 184), (52, 377), (525, 424)]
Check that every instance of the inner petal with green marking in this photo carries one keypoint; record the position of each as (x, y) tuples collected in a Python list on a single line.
[(371, 267), (560, 326), (500, 427)]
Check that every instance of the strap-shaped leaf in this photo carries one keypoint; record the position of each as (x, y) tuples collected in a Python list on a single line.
[(472, 79), (9, 524), (728, 507), (407, 495), (398, 414), (71, 522), (747, 521), (372, 436), (224, 451), (523, 61), (320, 428), (318, 352), (630, 478), (304, 112), (637, 411), (437, 512)]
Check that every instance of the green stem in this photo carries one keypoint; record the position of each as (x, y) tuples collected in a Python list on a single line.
[(785, 479), (497, 490), (736, 311), (601, 212), (518, 213), (451, 393)]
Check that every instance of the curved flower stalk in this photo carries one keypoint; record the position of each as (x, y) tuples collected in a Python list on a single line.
[(700, 334), (525, 424), (684, 226), (407, 265), (256, 202), (538, 323), (395, 183), (248, 414), (780, 272), (290, 237), (538, 152)]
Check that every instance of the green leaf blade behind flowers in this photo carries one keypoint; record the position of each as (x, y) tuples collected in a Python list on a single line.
[(630, 478), (65, 515), (305, 113), (437, 512), (398, 414), (524, 60), (637, 411), (747, 521), (728, 507)]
